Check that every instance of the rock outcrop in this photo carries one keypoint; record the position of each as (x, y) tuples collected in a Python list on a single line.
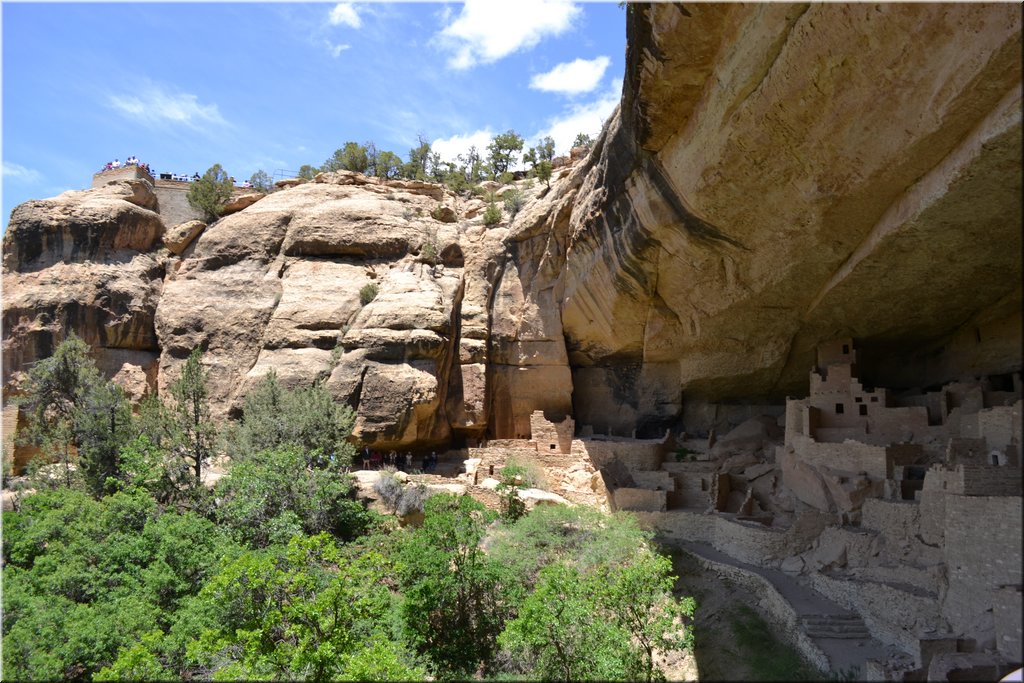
[(775, 176)]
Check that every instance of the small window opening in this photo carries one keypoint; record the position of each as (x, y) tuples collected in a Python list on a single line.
[(703, 485), (490, 470), (552, 446), (839, 409), (874, 399), (995, 458), (863, 409), (859, 399), (846, 348)]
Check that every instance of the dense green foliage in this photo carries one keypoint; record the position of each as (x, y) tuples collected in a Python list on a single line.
[(492, 214), (280, 573), (209, 194), (306, 418)]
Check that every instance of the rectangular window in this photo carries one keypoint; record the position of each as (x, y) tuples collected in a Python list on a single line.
[(839, 409), (863, 409), (874, 399), (846, 348)]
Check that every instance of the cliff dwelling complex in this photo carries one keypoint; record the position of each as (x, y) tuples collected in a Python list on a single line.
[(774, 312)]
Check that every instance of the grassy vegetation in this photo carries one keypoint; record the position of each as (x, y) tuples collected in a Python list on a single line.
[(768, 658)]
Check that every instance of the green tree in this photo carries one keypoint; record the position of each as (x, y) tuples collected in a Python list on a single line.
[(638, 597), (544, 170), (502, 151), (546, 149), (562, 630), (351, 157), (74, 415), (274, 494), (583, 140), (389, 165), (419, 160), (452, 608), (193, 428), (103, 426), (84, 579), (305, 612), (307, 172), (209, 194), (530, 157), (261, 181), (306, 418)]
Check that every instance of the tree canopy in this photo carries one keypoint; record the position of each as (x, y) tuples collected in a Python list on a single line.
[(209, 194)]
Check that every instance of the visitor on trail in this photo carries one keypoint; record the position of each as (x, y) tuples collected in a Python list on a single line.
[(117, 163), (408, 462), (375, 460), (366, 457), (195, 176)]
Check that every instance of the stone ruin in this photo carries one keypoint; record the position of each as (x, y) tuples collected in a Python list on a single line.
[(902, 507)]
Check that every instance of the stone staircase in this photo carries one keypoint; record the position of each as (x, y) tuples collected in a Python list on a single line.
[(849, 626)]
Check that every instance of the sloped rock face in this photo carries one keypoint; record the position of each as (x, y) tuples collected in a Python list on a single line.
[(352, 281), (778, 175), (82, 262)]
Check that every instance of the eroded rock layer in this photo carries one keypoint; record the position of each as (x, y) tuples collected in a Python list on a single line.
[(775, 176)]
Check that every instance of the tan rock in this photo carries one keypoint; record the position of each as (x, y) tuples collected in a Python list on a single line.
[(445, 214), (239, 202), (180, 236)]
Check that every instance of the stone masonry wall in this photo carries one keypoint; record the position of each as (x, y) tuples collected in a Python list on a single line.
[(983, 555)]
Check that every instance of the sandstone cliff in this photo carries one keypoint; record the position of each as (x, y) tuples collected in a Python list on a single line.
[(775, 176)]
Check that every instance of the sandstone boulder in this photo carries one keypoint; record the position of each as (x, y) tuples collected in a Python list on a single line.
[(239, 202), (180, 236)]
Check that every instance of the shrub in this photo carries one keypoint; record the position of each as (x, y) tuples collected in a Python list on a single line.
[(211, 192), (492, 214), (368, 293), (506, 178), (513, 203)]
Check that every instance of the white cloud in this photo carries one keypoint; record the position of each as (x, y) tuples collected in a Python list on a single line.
[(586, 118), (345, 13), (336, 50), (450, 148), (572, 78), (154, 105), (19, 172), (485, 30)]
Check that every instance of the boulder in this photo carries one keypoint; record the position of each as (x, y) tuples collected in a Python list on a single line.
[(180, 236), (239, 202), (445, 214)]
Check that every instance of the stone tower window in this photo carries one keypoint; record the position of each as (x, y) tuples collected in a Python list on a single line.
[(839, 409), (863, 409)]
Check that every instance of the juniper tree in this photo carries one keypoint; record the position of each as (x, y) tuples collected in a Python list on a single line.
[(211, 192)]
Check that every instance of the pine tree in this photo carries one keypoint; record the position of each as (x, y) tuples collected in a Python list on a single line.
[(194, 430)]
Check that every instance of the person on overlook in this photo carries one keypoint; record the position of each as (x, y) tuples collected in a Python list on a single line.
[(116, 164), (195, 176)]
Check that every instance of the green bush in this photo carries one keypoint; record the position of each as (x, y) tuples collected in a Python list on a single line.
[(209, 194), (513, 203), (492, 214), (368, 293)]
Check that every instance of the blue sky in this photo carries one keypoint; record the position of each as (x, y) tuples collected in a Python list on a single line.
[(273, 86)]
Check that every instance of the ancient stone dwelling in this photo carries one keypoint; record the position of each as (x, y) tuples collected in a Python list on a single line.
[(783, 188)]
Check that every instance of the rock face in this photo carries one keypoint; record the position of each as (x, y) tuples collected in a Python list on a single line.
[(83, 262), (775, 176)]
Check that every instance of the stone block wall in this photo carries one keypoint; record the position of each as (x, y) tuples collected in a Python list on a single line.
[(551, 436), (891, 614), (1007, 611), (634, 455), (987, 480), (983, 557), (639, 500), (173, 198), (855, 457)]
